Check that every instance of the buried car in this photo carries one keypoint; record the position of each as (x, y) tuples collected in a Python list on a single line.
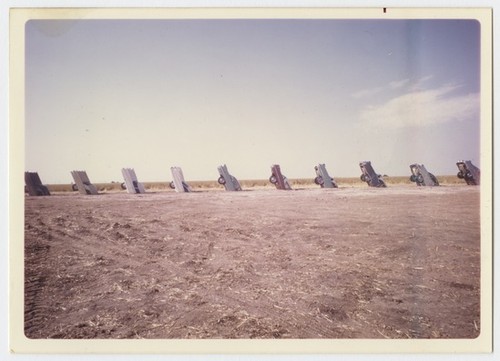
[(370, 176), (227, 180), (468, 172), (421, 176), (323, 179), (278, 179)]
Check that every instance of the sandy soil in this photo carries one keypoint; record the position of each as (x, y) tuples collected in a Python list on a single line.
[(400, 262)]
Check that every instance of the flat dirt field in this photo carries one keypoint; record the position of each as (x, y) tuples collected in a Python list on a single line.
[(399, 262)]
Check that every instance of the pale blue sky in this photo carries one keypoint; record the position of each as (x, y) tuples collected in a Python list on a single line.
[(151, 94)]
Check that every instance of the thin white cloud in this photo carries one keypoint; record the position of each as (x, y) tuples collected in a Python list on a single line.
[(396, 84), (425, 78), (399, 83), (367, 92), (417, 84), (423, 108)]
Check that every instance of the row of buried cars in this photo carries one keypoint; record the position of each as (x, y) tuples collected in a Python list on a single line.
[(419, 175)]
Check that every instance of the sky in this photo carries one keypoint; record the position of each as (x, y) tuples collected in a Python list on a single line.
[(101, 95)]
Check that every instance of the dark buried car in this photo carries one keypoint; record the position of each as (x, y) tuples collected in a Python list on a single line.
[(468, 172), (278, 179)]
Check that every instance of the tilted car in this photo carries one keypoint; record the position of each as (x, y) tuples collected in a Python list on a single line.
[(370, 176), (468, 172), (323, 179), (227, 180), (278, 179), (421, 176)]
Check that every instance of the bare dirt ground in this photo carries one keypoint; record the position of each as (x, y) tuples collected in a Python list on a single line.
[(400, 262)]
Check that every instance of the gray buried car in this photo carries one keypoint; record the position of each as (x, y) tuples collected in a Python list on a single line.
[(469, 172), (370, 176), (421, 176), (227, 180), (323, 179)]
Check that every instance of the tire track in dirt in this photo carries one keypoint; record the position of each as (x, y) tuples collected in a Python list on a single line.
[(36, 254)]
